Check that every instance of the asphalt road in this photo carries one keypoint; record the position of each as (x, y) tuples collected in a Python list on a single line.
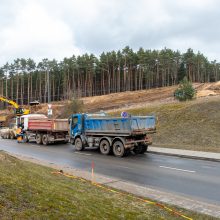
[(197, 179)]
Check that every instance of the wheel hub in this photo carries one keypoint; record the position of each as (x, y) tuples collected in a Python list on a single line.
[(118, 149)]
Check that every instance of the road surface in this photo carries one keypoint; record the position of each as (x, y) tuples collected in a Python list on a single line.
[(197, 179)]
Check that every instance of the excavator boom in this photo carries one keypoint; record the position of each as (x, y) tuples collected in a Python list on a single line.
[(11, 102), (18, 110)]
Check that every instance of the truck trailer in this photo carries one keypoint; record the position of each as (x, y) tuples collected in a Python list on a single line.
[(112, 134), (42, 130)]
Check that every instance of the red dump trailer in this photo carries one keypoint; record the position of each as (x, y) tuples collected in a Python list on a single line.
[(46, 131)]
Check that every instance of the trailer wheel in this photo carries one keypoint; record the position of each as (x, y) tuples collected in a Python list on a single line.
[(45, 139), (38, 138), (118, 149), (138, 149), (144, 149), (78, 144), (105, 147)]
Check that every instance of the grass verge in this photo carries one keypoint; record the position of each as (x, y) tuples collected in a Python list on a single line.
[(30, 191)]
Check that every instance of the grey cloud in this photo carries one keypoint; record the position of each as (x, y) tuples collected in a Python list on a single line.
[(99, 25)]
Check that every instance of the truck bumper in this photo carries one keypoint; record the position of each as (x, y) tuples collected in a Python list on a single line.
[(133, 143)]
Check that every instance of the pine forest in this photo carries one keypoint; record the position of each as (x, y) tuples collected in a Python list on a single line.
[(24, 80)]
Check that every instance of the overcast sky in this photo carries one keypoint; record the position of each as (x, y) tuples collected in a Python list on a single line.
[(40, 29)]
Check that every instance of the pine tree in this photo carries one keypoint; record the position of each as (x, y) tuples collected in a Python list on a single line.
[(185, 91)]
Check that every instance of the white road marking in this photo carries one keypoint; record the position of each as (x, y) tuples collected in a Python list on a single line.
[(34, 145), (82, 153), (124, 167), (173, 168), (207, 167)]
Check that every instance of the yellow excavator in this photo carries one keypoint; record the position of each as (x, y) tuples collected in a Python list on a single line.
[(18, 110)]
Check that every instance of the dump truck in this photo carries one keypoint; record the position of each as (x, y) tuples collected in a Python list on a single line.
[(43, 130), (119, 135)]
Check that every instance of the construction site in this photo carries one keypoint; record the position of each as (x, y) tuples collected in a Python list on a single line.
[(158, 101)]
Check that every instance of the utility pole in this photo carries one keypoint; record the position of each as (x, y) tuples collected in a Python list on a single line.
[(50, 111), (48, 85), (6, 84)]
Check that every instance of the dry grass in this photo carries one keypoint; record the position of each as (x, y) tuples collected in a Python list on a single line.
[(192, 125), (29, 191)]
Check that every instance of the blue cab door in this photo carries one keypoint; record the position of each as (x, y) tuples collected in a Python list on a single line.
[(76, 125)]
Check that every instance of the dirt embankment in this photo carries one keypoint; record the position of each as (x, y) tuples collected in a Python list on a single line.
[(129, 99), (143, 98), (208, 89)]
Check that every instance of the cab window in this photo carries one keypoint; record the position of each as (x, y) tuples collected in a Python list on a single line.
[(74, 121)]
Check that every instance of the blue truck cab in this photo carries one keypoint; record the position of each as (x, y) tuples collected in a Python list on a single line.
[(119, 135)]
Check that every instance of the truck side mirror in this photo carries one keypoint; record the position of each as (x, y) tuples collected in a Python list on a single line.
[(69, 121)]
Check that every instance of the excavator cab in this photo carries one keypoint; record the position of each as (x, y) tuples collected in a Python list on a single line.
[(21, 111)]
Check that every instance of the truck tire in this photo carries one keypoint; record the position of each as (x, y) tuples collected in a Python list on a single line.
[(118, 149), (137, 149), (38, 138), (45, 139), (140, 149), (105, 147), (78, 144), (144, 149)]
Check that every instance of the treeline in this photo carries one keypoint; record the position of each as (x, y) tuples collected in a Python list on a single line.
[(24, 80)]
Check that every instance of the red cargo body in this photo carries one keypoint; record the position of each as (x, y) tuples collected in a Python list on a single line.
[(53, 125), (47, 131)]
